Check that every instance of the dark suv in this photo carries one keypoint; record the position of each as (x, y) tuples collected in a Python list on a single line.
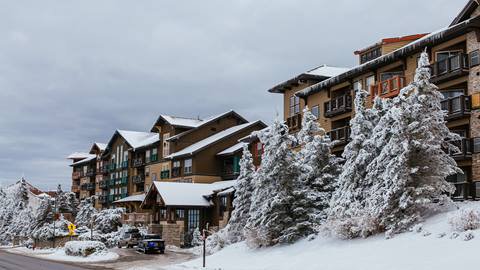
[(151, 243)]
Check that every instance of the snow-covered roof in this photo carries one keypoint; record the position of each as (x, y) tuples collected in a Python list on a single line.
[(86, 160), (233, 149), (415, 46), (200, 145), (227, 191), (133, 198), (189, 194), (327, 71), (182, 121), (79, 155), (207, 121), (318, 74), (101, 146), (137, 139)]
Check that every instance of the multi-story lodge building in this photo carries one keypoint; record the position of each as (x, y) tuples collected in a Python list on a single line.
[(387, 66), (191, 154)]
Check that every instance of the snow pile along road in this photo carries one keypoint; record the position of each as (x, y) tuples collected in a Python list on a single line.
[(433, 245)]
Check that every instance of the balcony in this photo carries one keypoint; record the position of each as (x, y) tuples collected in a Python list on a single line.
[(124, 180), (76, 175), (138, 179), (388, 88), (103, 199), (112, 167), (175, 172), (138, 162), (450, 68), (164, 174), (465, 146), (341, 135), (294, 123), (90, 172), (105, 169), (154, 158), (338, 105), (103, 184), (90, 186), (229, 173), (456, 107)]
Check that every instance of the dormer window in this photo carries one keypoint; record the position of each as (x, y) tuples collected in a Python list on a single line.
[(370, 55)]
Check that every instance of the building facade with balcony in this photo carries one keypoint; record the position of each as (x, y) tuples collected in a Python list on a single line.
[(389, 65)]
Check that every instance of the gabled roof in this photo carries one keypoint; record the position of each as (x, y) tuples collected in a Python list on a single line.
[(133, 198), (100, 146), (200, 145), (466, 12), (79, 155), (208, 121), (232, 150), (389, 41), (135, 139), (83, 161), (431, 39), (317, 74), (176, 121), (188, 194)]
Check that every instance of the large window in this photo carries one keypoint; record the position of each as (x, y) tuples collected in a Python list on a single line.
[(316, 111), (193, 219), (187, 169), (179, 214), (369, 82), (147, 156), (474, 58), (166, 145), (294, 105)]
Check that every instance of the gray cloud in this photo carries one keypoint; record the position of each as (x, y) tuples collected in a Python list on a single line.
[(73, 72)]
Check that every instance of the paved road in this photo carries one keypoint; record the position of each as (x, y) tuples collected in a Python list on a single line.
[(9, 261)]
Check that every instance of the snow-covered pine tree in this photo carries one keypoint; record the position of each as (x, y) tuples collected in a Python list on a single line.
[(86, 212), (242, 200), (271, 212), (66, 201), (413, 166), (319, 170), (108, 220), (197, 238), (347, 217)]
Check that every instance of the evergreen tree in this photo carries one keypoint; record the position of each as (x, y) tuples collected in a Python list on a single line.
[(197, 238), (412, 166), (66, 201), (319, 170), (271, 212), (347, 217), (242, 200), (85, 213)]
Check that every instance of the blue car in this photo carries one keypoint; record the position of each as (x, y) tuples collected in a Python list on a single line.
[(151, 243)]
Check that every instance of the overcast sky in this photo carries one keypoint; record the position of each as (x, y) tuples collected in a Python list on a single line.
[(71, 72)]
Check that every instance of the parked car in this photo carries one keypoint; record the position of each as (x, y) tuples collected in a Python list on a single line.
[(130, 238), (151, 243)]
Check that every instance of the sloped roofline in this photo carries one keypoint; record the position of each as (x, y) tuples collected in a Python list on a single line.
[(208, 121), (161, 118), (465, 12)]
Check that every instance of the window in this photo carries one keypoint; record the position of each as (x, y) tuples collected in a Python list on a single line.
[(357, 85), (193, 219), (474, 58), (187, 169), (370, 55), (166, 145), (369, 82), (179, 214), (388, 75), (316, 111), (176, 164), (476, 145), (147, 171), (147, 156), (154, 177), (163, 214), (294, 105)]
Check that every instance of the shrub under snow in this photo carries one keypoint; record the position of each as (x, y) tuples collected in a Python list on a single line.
[(84, 248), (465, 220)]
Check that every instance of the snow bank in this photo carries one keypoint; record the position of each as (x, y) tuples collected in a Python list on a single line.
[(428, 247), (58, 254), (84, 248)]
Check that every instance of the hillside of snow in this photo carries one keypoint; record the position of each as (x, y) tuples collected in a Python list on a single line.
[(432, 245)]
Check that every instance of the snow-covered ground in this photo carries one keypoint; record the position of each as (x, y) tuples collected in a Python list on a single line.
[(435, 245), (59, 255)]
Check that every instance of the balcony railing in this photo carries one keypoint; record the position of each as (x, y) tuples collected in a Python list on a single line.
[(124, 180), (75, 175), (112, 167), (138, 179), (165, 174), (452, 66), (103, 184), (124, 164), (294, 122), (456, 106), (465, 149), (90, 173), (342, 135), (138, 162), (388, 88), (154, 158), (338, 105)]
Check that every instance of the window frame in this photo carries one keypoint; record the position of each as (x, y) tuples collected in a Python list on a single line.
[(317, 109)]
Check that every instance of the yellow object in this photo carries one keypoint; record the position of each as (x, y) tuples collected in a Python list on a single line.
[(71, 229), (476, 101)]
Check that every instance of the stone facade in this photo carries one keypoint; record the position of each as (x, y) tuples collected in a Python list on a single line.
[(474, 87)]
